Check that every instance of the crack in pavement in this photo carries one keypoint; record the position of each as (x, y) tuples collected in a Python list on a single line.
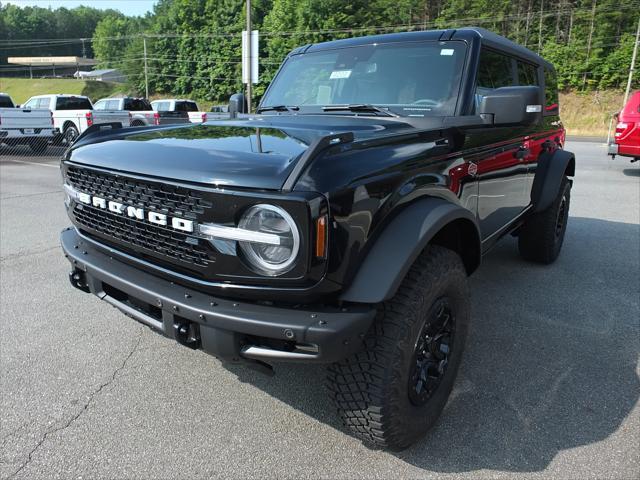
[(82, 410), (12, 256), (30, 195)]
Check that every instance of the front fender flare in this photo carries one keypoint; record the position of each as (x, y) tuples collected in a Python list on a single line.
[(400, 243)]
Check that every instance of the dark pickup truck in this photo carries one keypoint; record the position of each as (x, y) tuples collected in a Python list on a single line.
[(340, 222)]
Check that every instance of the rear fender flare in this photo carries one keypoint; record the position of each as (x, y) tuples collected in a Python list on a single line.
[(552, 168), (403, 239)]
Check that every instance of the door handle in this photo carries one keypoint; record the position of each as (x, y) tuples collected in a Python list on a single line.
[(521, 153)]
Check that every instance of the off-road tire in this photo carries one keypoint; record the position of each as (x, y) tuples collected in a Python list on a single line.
[(371, 388), (542, 235)]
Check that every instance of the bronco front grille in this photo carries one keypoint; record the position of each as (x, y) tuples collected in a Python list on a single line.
[(156, 196), (166, 245), (160, 240)]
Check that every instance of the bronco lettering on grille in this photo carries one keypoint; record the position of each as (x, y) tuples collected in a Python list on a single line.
[(136, 212)]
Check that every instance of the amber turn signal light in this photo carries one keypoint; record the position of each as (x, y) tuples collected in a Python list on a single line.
[(321, 237)]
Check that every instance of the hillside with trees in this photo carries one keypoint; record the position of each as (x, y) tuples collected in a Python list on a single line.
[(194, 47)]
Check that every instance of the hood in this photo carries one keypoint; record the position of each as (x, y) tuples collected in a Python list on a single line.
[(258, 152)]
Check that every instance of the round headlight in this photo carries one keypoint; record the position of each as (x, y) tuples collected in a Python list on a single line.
[(272, 258)]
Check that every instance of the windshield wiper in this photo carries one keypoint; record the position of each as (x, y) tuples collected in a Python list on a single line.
[(278, 108), (358, 107)]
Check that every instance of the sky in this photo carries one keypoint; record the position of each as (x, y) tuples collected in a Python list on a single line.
[(128, 7)]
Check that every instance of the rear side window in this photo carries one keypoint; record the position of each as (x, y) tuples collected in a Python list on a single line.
[(527, 74), (101, 105), (5, 101), (495, 71), (137, 104), (186, 107), (73, 103), (43, 102), (161, 106), (551, 101)]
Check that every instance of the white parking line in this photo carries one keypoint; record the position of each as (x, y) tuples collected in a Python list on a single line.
[(34, 163)]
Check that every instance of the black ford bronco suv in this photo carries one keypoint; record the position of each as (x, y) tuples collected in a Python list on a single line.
[(340, 222)]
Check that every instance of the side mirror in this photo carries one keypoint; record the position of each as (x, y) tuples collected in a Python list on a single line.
[(237, 104), (513, 105)]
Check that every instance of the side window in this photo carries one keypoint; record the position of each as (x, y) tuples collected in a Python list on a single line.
[(101, 105), (6, 102), (527, 74), (495, 71), (161, 106), (551, 101), (113, 104), (32, 103), (44, 102)]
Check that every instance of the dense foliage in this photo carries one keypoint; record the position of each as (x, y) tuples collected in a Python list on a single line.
[(193, 46)]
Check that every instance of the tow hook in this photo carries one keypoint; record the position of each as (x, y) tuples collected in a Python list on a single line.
[(79, 280), (187, 333)]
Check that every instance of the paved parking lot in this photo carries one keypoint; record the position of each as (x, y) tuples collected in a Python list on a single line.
[(549, 385)]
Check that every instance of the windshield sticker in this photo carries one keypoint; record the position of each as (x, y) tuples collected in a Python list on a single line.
[(446, 51), (336, 74)]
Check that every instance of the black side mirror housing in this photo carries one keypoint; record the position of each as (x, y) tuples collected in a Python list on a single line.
[(237, 104), (513, 105)]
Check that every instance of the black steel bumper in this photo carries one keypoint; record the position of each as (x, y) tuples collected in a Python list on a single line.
[(229, 329)]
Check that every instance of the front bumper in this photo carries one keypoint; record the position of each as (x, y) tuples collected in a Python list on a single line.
[(229, 329)]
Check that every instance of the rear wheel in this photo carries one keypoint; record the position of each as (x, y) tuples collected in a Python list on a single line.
[(541, 237), (70, 134), (393, 391)]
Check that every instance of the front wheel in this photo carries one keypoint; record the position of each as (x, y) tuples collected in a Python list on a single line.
[(542, 235), (393, 391)]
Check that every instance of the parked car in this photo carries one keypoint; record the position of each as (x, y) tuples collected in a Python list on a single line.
[(73, 114), (140, 111), (339, 224), (25, 126), (180, 108), (626, 140)]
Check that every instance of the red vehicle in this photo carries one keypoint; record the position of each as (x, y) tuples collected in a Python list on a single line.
[(626, 141)]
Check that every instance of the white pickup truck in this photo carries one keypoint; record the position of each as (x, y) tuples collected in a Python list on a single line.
[(73, 114), (20, 126), (140, 111), (181, 109)]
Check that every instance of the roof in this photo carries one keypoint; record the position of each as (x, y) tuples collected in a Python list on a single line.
[(97, 73), (60, 61), (59, 95), (468, 34)]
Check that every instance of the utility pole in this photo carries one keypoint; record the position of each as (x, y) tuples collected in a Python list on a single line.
[(146, 78), (249, 55), (593, 14), (540, 27), (633, 65)]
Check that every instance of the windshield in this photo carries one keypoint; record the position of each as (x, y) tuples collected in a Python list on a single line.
[(408, 79)]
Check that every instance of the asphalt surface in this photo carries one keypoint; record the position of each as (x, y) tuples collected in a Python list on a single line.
[(549, 385)]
